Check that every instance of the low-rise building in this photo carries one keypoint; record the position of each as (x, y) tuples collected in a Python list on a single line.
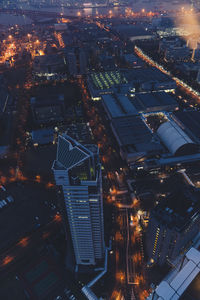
[(149, 79), (48, 109), (118, 105), (49, 66), (42, 136), (104, 83), (135, 139), (176, 140), (154, 102), (174, 54), (133, 32), (133, 61)]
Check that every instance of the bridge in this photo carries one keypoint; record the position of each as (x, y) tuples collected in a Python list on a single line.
[(35, 14)]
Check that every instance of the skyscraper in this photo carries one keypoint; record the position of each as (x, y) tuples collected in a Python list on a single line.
[(77, 170)]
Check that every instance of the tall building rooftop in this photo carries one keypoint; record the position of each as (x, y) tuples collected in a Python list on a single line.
[(70, 153)]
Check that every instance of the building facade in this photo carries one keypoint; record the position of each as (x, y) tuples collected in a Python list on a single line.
[(173, 224), (77, 170)]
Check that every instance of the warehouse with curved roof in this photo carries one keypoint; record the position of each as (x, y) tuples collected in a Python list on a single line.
[(176, 140)]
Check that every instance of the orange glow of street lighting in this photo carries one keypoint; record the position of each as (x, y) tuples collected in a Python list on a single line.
[(120, 276), (21, 177), (23, 242), (57, 218), (49, 185), (38, 178), (115, 295), (64, 20), (41, 52), (7, 260), (117, 256), (144, 294)]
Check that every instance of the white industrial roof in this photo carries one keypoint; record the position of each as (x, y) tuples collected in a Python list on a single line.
[(173, 136), (174, 289), (164, 291), (194, 255), (182, 275)]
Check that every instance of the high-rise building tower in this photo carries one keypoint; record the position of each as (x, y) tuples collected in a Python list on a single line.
[(77, 170), (173, 223)]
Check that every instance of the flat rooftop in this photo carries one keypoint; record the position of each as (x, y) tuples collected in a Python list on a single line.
[(153, 101), (43, 136), (131, 30), (47, 99), (50, 59), (146, 74), (191, 121), (48, 113), (133, 60), (179, 208), (131, 130), (81, 132), (117, 105), (106, 80), (48, 108)]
